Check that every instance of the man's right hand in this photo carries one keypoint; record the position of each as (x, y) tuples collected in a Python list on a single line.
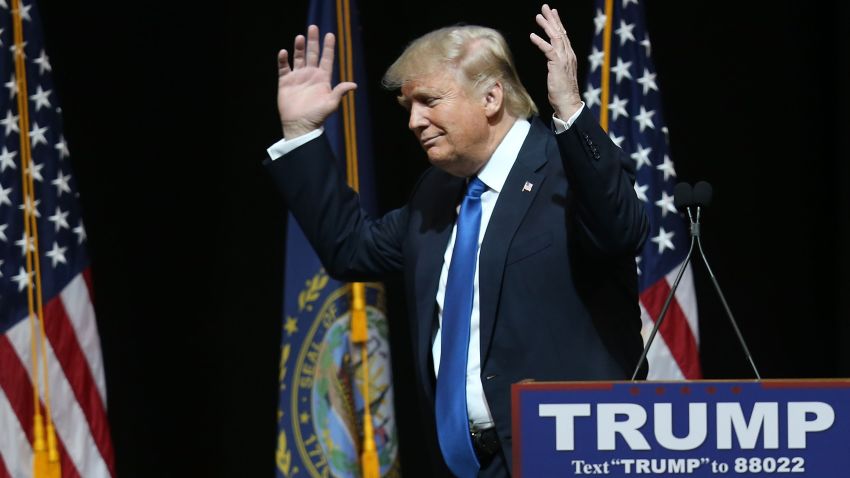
[(305, 97)]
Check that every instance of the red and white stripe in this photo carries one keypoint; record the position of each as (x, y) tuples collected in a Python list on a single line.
[(674, 354), (77, 389)]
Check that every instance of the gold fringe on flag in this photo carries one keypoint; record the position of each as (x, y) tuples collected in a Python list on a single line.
[(45, 449)]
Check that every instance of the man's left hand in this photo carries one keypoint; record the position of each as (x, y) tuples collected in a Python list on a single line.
[(562, 81)]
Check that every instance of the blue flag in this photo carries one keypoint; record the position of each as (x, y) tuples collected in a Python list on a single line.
[(320, 415), (635, 122)]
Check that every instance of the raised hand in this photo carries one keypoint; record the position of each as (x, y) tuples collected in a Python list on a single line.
[(305, 97), (562, 81)]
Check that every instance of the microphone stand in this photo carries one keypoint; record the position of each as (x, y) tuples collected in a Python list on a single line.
[(695, 238), (723, 298), (694, 235)]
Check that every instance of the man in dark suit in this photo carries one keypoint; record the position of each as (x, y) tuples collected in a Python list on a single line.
[(517, 247)]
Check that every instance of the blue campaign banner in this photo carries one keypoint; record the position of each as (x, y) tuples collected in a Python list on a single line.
[(683, 428)]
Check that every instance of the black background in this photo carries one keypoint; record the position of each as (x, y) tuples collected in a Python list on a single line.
[(169, 107)]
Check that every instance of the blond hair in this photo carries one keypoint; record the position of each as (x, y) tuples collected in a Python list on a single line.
[(480, 54)]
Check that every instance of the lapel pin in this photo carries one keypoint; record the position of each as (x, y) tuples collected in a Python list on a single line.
[(527, 187)]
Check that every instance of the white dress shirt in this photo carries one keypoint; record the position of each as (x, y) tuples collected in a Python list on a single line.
[(493, 174)]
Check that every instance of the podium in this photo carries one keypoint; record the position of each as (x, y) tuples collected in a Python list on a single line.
[(682, 428)]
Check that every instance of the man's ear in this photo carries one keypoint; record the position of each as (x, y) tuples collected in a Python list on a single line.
[(494, 98)]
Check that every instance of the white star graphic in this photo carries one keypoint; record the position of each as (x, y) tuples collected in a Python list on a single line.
[(80, 231), (645, 43), (663, 239), (648, 81), (23, 279), (25, 11), (10, 122), (61, 183), (618, 107), (596, 58), (1, 44), (641, 156), (645, 118), (1, 262), (637, 263), (35, 171), (666, 204), (7, 159), (618, 140), (625, 32), (641, 192), (667, 168), (28, 206), (627, 2), (37, 135), (3, 4), (3, 233), (60, 219), (591, 96), (62, 147), (22, 244), (4, 195), (43, 63), (40, 98), (599, 20), (622, 70), (13, 87), (57, 254)]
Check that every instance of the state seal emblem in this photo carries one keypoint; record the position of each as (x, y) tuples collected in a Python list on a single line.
[(322, 404)]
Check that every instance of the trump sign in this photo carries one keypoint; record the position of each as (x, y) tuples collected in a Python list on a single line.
[(694, 429)]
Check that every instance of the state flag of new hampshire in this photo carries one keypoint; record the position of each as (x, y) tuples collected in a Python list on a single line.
[(322, 399)]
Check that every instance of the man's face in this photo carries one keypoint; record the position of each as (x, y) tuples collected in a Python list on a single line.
[(449, 122)]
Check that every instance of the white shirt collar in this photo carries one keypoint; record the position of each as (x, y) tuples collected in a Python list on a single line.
[(495, 172)]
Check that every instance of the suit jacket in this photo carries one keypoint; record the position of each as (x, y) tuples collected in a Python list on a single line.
[(557, 276)]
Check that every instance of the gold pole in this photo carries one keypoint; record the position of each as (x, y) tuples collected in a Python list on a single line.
[(606, 64), (369, 462)]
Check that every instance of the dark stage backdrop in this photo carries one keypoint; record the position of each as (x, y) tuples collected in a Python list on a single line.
[(168, 110)]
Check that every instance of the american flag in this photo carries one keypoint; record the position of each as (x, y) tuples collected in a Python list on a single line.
[(636, 124), (75, 383)]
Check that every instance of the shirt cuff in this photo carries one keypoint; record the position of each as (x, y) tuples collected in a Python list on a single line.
[(561, 125), (285, 146)]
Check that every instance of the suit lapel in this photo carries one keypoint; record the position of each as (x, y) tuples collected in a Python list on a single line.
[(511, 207)]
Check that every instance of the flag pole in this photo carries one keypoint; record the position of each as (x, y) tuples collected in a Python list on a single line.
[(369, 463), (606, 65)]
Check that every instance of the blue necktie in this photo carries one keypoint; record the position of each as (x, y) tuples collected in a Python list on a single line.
[(452, 418)]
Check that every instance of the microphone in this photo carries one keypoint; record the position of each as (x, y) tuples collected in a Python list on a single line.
[(702, 194), (699, 196), (683, 196), (702, 198)]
